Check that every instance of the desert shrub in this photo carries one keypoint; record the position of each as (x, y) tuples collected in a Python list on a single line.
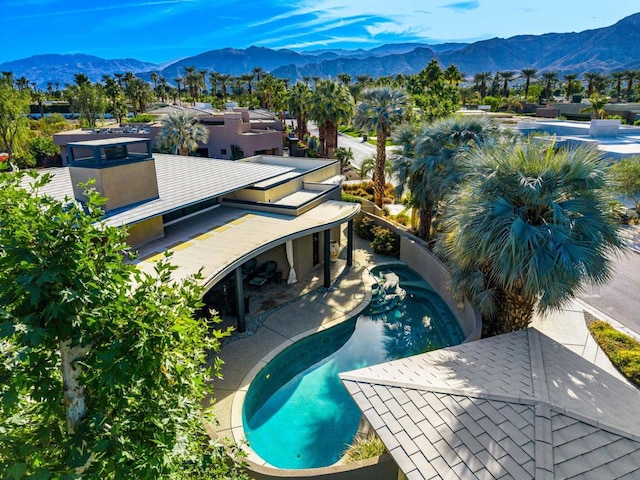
[(364, 228), (402, 219), (363, 448), (385, 241), (141, 118)]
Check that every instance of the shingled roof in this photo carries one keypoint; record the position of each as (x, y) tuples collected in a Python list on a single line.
[(517, 406)]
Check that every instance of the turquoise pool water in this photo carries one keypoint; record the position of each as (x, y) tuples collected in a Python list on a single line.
[(297, 414)]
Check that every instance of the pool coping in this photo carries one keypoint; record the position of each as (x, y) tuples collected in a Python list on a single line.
[(237, 424)]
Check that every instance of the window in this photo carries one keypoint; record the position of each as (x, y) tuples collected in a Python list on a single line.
[(223, 151)]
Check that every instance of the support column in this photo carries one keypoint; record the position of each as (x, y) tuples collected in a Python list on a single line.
[(327, 259), (350, 243), (240, 300)]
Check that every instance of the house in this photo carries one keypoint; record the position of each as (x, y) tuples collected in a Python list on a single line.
[(232, 134), (213, 215)]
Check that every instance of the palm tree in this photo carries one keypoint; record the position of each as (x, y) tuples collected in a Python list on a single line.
[(39, 97), (179, 81), (630, 76), (378, 110), (155, 76), (299, 97), (331, 105), (214, 78), (528, 230), (181, 132), (507, 76), (528, 74), (481, 80), (453, 76), (258, 72), (571, 86), (224, 79), (596, 109), (550, 78), (345, 78), (434, 171), (618, 77)]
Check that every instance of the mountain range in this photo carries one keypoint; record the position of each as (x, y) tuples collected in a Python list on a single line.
[(607, 49)]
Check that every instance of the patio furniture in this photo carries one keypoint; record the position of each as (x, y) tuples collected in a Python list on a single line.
[(257, 282), (249, 268), (266, 273)]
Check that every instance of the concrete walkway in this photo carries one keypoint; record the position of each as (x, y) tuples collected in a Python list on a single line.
[(282, 314)]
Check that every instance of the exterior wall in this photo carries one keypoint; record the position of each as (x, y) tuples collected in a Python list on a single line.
[(414, 252), (121, 185), (144, 232), (377, 468)]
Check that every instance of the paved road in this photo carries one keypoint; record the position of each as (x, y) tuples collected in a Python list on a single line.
[(620, 297)]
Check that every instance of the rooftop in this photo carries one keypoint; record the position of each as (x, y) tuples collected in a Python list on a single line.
[(515, 406)]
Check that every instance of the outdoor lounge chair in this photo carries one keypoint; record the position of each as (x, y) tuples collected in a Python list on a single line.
[(266, 273), (249, 268)]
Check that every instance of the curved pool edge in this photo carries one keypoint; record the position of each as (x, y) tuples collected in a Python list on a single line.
[(237, 425)]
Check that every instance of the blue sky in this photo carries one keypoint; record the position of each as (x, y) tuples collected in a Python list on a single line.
[(163, 30)]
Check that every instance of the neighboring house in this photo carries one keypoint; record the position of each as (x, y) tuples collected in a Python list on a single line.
[(249, 132), (214, 215), (516, 406)]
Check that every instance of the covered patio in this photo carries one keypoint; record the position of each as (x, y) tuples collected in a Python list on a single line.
[(217, 243)]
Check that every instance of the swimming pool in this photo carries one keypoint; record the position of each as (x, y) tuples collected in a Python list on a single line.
[(297, 414)]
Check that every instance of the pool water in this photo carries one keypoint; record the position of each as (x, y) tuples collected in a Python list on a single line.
[(297, 414)]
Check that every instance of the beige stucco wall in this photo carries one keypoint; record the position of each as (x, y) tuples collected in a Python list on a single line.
[(143, 232), (121, 185)]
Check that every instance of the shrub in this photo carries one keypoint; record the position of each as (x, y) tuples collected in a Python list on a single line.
[(363, 448), (348, 197), (402, 219), (385, 241), (622, 350), (364, 228), (141, 118)]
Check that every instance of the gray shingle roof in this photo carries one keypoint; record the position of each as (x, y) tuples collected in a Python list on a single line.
[(514, 406)]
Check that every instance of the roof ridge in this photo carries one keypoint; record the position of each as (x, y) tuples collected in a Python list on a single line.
[(543, 433), (595, 423)]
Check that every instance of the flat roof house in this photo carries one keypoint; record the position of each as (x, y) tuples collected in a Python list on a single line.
[(248, 132), (214, 215)]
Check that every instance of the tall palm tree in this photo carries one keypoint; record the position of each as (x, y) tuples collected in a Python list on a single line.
[(550, 78), (453, 76), (507, 76), (345, 78), (224, 79), (155, 76), (331, 105), (630, 76), (179, 81), (379, 110), (528, 74), (181, 132), (528, 230), (258, 72), (481, 80), (434, 171), (299, 97), (571, 85), (618, 77)]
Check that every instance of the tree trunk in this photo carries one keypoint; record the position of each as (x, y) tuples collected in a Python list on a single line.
[(424, 225), (515, 313), (322, 134), (73, 391), (331, 137), (381, 157)]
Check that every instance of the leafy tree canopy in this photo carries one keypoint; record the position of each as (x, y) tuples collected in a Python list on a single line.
[(104, 369)]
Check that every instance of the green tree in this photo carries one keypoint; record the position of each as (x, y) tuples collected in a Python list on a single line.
[(481, 79), (507, 76), (550, 79), (14, 123), (91, 101), (331, 105), (617, 78), (596, 107), (625, 176), (528, 230), (379, 110), (181, 132), (104, 368), (345, 156), (434, 170)]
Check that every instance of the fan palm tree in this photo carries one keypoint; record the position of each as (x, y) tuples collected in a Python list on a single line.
[(214, 78), (433, 172), (181, 132), (224, 79), (571, 85), (378, 110), (331, 105), (630, 76), (528, 230), (528, 74)]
